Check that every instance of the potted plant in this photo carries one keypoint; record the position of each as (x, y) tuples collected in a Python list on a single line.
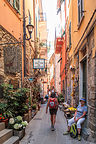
[(16, 99), (18, 126), (4, 113)]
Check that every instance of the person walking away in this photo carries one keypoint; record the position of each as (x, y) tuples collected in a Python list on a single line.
[(79, 117), (53, 107)]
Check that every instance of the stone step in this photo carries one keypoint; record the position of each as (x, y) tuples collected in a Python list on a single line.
[(5, 135), (2, 126), (12, 140)]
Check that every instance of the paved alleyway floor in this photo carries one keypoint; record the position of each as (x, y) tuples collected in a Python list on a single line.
[(38, 130)]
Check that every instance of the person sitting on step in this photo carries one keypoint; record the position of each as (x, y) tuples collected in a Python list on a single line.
[(79, 117)]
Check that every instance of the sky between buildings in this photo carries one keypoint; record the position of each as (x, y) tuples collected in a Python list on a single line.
[(49, 7)]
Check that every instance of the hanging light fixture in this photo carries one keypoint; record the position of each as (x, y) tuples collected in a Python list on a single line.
[(30, 30)]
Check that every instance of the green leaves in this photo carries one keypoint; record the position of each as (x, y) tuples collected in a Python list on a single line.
[(15, 100)]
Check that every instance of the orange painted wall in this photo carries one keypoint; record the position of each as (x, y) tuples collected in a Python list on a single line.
[(62, 67), (10, 19)]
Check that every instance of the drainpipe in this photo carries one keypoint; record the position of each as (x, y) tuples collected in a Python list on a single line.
[(24, 37), (65, 55), (34, 23)]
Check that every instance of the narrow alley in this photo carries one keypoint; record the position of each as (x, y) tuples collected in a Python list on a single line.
[(47, 46), (38, 131)]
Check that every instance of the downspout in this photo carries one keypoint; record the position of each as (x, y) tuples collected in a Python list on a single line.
[(24, 37), (34, 24), (65, 54)]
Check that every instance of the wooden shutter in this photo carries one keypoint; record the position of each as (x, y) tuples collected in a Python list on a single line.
[(80, 10), (17, 5), (11, 2)]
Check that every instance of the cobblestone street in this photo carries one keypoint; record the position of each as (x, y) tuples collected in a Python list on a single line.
[(38, 131)]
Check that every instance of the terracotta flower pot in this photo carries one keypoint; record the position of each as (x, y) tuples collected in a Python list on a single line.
[(6, 122)]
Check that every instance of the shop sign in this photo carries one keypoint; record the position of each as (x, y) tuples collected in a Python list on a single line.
[(38, 63)]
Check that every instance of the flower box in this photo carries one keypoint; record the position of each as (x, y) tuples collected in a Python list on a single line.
[(18, 126), (20, 133)]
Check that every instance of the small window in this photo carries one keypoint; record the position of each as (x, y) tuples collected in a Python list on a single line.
[(11, 2), (80, 10), (17, 5), (70, 35)]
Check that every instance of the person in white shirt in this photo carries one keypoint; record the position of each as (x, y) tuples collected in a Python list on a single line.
[(79, 117)]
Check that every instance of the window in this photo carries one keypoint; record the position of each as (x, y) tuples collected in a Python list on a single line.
[(15, 4), (11, 2), (80, 10), (70, 35)]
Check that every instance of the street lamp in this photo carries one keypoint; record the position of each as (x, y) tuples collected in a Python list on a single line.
[(30, 30)]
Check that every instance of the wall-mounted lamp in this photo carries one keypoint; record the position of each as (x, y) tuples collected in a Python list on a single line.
[(30, 30)]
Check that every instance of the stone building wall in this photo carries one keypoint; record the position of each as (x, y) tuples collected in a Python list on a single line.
[(10, 58), (91, 87), (76, 97)]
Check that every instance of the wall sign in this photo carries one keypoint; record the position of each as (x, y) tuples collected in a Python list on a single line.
[(38, 63)]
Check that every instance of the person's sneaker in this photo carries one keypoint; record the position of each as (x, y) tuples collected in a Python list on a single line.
[(79, 137), (66, 133), (52, 128)]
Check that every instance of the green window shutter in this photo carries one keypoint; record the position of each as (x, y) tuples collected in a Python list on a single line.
[(70, 35), (16, 5), (11, 2), (80, 10)]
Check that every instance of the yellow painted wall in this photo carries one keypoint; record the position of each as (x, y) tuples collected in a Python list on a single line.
[(89, 7), (76, 33)]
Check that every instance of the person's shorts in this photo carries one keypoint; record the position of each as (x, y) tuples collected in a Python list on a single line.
[(53, 111)]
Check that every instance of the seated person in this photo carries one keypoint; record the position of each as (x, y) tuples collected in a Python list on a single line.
[(78, 118)]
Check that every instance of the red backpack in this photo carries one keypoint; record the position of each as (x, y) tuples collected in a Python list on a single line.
[(52, 103)]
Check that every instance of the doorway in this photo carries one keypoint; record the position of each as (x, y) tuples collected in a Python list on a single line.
[(83, 79)]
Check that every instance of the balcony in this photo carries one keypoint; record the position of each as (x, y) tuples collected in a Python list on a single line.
[(59, 44)]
